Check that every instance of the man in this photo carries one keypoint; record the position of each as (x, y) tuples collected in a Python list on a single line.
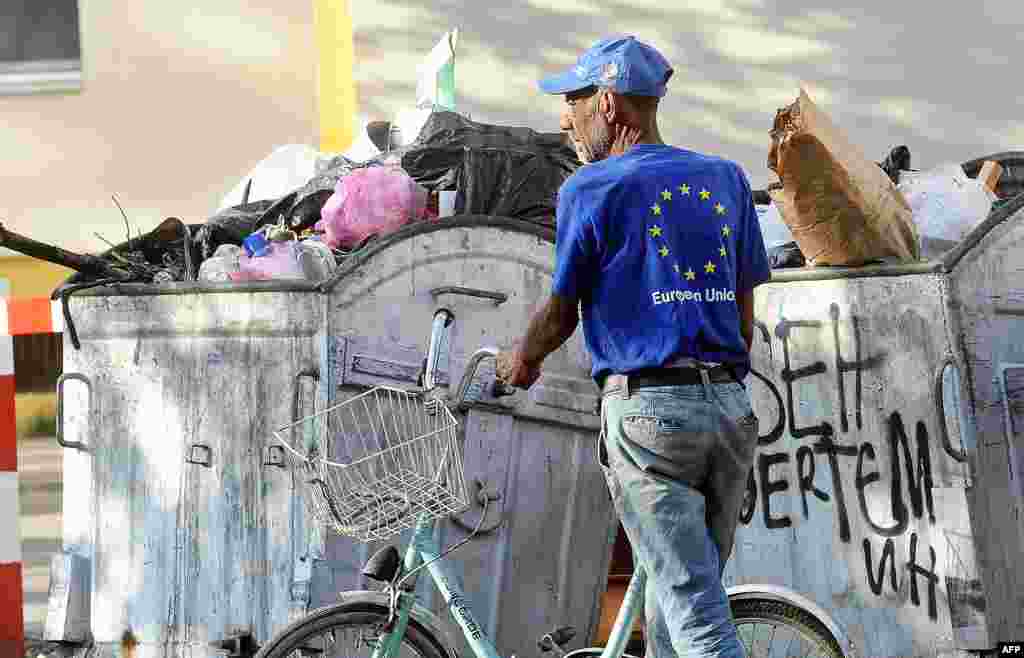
[(662, 250)]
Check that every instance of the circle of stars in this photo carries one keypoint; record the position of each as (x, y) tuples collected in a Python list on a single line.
[(656, 231)]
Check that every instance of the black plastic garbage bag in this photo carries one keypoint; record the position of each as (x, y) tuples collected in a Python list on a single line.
[(898, 160), (497, 170), (311, 197), (510, 183), (233, 225), (449, 128)]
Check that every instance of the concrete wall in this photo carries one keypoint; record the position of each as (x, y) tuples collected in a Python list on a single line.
[(890, 74)]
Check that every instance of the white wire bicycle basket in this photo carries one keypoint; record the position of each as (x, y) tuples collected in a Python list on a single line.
[(391, 460)]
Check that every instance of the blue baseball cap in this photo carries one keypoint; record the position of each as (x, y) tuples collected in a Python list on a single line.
[(622, 64)]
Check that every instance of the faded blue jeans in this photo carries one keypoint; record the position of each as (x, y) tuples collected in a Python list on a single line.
[(677, 460)]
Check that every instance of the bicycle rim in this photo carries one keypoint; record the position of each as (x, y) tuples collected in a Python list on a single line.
[(775, 629), (349, 630)]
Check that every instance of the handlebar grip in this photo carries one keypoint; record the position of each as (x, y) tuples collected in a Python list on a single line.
[(501, 389)]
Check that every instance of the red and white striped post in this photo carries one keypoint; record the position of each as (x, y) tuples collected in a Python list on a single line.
[(17, 316), (12, 623)]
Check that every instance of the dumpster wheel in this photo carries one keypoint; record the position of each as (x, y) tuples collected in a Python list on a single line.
[(767, 627)]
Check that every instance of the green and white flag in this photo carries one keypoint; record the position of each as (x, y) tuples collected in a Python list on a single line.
[(436, 85)]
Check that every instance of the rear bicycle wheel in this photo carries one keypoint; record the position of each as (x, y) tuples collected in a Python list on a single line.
[(776, 629), (350, 630)]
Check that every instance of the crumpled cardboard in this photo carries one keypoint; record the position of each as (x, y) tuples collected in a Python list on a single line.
[(841, 207)]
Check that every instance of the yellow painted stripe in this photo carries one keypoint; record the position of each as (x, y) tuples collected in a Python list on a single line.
[(336, 89)]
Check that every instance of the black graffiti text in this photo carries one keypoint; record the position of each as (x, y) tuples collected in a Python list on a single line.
[(886, 570)]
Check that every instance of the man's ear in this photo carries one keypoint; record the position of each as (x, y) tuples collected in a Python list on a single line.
[(608, 106)]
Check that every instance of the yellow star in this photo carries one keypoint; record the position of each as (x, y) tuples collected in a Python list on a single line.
[(655, 231), (720, 209), (709, 268), (690, 275), (725, 231), (721, 250), (705, 195), (685, 189), (676, 268), (656, 209), (666, 195), (663, 251)]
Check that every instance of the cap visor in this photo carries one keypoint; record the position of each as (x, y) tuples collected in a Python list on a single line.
[(563, 83)]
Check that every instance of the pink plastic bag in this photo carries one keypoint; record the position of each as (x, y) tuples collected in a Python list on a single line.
[(281, 261), (369, 201)]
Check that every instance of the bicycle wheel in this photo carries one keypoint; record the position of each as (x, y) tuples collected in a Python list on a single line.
[(775, 629), (350, 630)]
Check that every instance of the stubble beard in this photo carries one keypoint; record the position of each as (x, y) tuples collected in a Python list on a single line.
[(598, 146)]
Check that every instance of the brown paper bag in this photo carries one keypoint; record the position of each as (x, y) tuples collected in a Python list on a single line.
[(840, 206)]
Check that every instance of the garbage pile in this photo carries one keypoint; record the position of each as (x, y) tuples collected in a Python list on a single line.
[(833, 207), (454, 167)]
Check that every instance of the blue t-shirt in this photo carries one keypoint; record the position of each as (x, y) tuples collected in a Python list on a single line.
[(656, 244)]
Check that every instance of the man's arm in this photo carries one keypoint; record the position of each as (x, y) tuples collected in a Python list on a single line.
[(549, 327), (745, 301)]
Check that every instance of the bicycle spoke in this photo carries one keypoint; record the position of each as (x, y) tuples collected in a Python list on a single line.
[(792, 636)]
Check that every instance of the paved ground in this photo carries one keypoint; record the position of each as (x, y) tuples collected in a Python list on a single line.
[(39, 479)]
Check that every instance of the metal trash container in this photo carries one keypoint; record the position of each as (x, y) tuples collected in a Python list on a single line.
[(546, 565), (886, 488), (183, 510), (175, 500)]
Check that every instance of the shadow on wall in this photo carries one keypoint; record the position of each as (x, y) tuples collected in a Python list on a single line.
[(938, 83)]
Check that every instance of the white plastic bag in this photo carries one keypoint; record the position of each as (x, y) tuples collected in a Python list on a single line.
[(946, 205), (220, 266), (317, 259), (773, 229), (285, 170)]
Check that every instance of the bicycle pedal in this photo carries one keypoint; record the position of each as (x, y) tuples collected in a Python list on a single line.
[(563, 635), (556, 638)]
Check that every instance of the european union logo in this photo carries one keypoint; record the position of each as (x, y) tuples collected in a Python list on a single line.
[(700, 205)]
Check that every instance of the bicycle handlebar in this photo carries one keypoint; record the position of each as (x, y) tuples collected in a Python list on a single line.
[(467, 377)]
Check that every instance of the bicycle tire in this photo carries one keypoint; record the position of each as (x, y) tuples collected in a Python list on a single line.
[(290, 642), (796, 619), (593, 652)]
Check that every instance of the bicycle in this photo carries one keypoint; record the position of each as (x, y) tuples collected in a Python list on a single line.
[(387, 486)]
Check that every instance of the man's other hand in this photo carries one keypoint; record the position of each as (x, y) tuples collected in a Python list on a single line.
[(514, 371), (625, 138)]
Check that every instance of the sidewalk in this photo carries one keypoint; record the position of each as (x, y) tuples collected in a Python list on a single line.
[(40, 488)]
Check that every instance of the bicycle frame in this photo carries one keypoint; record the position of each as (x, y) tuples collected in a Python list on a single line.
[(422, 549)]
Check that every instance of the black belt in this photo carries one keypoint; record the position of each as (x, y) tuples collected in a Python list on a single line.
[(667, 377)]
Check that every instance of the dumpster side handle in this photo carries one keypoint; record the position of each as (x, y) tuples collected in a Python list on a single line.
[(498, 297), (949, 366), (313, 373), (77, 445)]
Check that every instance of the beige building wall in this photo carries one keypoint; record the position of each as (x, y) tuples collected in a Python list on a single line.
[(178, 101)]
